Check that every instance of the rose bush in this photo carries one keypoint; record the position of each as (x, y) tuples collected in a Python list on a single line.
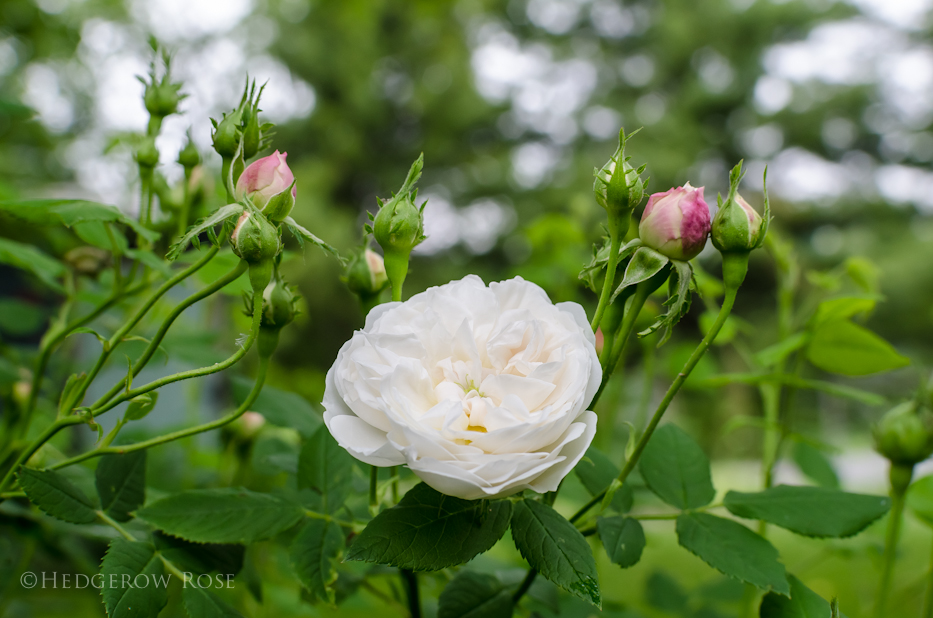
[(482, 392)]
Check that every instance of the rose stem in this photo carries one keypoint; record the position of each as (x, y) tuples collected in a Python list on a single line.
[(928, 603), (698, 353), (615, 243), (411, 583), (900, 481)]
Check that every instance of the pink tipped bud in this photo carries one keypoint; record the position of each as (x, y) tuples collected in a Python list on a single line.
[(676, 223), (270, 184)]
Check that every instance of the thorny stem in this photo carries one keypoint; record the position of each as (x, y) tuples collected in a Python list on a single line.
[(698, 353), (153, 346), (41, 439), (177, 435), (117, 337), (193, 373)]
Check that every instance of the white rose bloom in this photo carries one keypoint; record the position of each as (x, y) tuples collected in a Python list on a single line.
[(481, 391)]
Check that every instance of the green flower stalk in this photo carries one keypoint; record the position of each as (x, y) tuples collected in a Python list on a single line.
[(618, 188), (399, 228), (904, 435)]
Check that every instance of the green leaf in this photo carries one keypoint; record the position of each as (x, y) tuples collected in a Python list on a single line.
[(21, 318), (474, 595), (281, 408), (843, 308), (849, 349), (218, 216), (127, 562), (71, 212), (301, 234), (141, 405), (810, 511), (782, 349), (645, 263), (623, 539), (227, 515), (555, 548), (202, 603), (26, 257), (678, 302), (57, 496), (428, 531), (803, 603), (325, 467), (315, 553), (121, 483), (920, 499), (815, 465), (663, 592), (733, 549), (95, 233), (224, 558), (676, 469), (596, 471)]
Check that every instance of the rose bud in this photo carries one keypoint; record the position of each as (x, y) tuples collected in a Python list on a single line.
[(366, 274), (226, 135), (676, 222), (904, 435), (270, 185), (399, 226), (618, 187), (279, 308), (189, 157), (147, 155), (254, 239), (737, 226)]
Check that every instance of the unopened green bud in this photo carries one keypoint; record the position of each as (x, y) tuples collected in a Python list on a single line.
[(147, 155), (737, 226), (162, 98), (904, 435), (254, 239), (226, 136), (189, 157), (399, 225), (618, 186), (279, 304), (366, 274)]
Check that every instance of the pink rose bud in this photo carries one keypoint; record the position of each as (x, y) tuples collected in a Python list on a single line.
[(267, 182), (676, 223)]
